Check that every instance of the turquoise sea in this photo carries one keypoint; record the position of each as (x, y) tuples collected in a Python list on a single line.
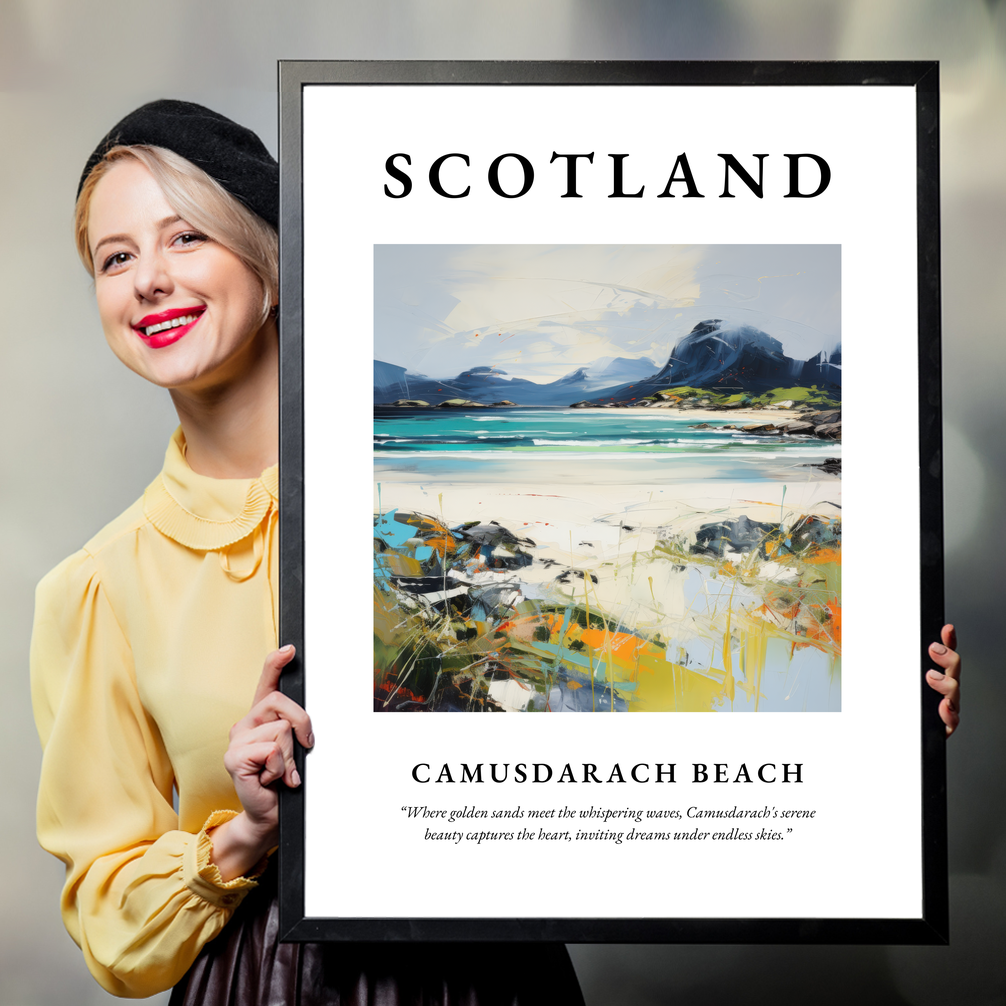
[(617, 445)]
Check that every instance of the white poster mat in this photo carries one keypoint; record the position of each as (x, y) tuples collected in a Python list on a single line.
[(860, 855)]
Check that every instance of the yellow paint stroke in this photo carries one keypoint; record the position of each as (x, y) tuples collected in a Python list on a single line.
[(763, 503), (728, 665), (664, 686), (401, 565)]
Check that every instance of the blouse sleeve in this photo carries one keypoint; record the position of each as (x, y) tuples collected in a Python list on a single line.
[(141, 898)]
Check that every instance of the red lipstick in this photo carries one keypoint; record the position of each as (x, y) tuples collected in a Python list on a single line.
[(166, 327)]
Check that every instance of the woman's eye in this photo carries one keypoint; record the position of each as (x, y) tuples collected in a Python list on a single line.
[(114, 261), (190, 238)]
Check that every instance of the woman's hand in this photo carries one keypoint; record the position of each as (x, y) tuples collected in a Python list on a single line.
[(947, 682), (260, 753)]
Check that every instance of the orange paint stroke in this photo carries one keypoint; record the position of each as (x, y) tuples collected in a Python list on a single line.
[(822, 555), (434, 533)]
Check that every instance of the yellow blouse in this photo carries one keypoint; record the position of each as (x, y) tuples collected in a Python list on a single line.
[(147, 647)]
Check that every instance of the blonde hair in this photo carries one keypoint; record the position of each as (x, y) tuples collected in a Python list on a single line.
[(199, 200)]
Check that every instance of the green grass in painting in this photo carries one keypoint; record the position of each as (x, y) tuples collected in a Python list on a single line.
[(799, 395)]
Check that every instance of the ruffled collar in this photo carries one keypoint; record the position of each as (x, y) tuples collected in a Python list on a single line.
[(203, 513)]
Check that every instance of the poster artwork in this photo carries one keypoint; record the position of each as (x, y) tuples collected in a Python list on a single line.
[(607, 478)]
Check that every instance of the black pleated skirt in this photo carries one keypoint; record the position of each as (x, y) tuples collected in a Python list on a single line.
[(246, 965)]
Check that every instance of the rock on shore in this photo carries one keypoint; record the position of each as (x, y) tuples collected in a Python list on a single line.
[(825, 425)]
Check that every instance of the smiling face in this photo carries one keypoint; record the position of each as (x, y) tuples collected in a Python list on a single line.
[(177, 307)]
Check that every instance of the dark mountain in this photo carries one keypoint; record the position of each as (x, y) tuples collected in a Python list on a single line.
[(823, 370), (390, 381), (730, 360), (480, 384), (712, 357), (746, 358)]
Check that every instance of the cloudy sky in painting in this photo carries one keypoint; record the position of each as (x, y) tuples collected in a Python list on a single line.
[(541, 311)]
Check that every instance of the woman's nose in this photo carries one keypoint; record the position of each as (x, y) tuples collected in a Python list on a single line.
[(152, 277)]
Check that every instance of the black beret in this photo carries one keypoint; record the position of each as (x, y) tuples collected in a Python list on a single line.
[(230, 154)]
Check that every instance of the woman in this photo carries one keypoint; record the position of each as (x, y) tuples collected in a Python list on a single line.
[(148, 643)]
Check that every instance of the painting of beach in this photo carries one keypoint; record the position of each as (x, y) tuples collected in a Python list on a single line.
[(607, 479)]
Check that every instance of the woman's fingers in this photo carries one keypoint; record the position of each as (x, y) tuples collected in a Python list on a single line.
[(270, 703), (949, 688), (949, 636), (944, 684), (259, 761), (949, 712), (274, 735), (277, 706), (945, 655), (274, 767), (261, 749), (947, 681), (271, 671)]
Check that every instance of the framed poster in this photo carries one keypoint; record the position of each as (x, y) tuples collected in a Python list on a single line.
[(617, 316)]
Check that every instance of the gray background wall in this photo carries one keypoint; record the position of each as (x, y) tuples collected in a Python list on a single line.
[(81, 437)]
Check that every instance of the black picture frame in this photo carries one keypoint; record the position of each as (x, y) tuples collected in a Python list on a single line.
[(931, 927)]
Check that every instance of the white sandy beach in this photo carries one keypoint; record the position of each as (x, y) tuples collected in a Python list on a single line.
[(602, 521), (739, 417), (605, 529)]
